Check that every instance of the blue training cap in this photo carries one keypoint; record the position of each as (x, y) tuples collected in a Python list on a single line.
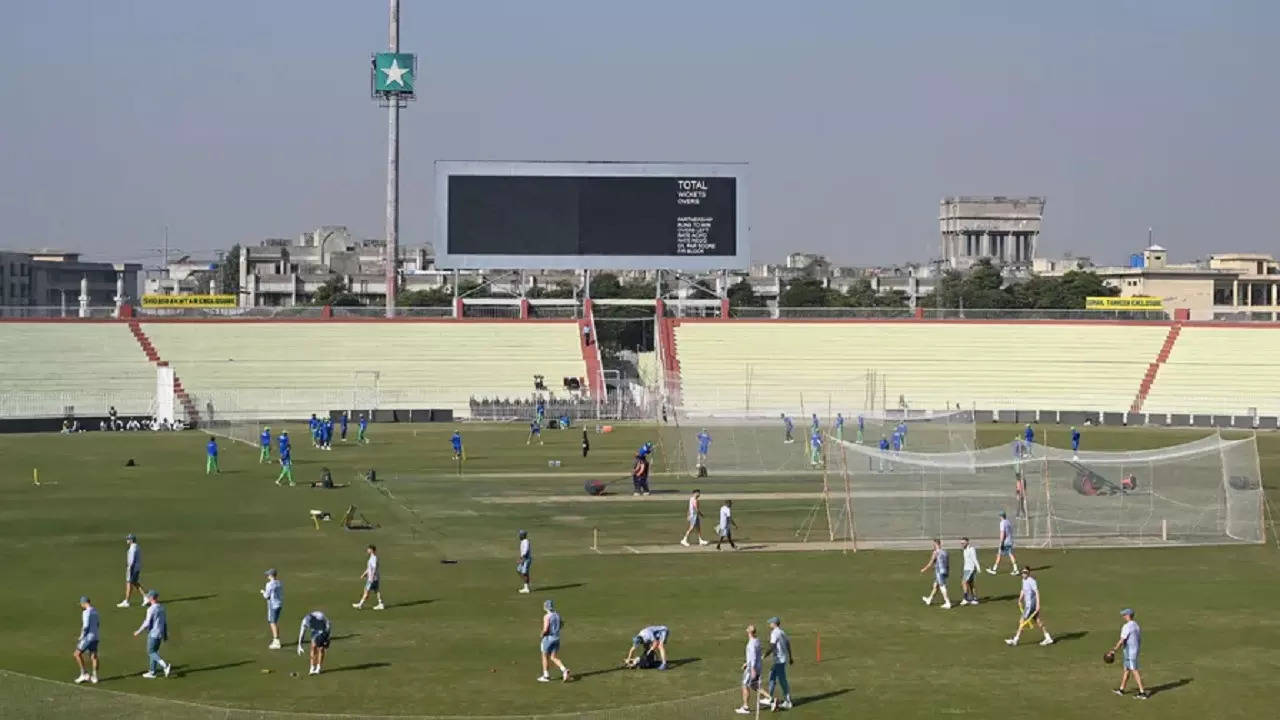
[(130, 536), (775, 620), (271, 572), (1002, 513), (547, 605), (84, 599), (1127, 611), (152, 593)]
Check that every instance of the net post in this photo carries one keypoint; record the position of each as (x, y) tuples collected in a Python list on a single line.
[(1048, 502), (595, 539), (1164, 530)]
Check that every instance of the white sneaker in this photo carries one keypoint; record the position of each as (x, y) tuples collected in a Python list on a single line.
[(357, 606), (275, 644), (684, 542), (925, 600), (379, 606), (168, 668), (991, 571), (703, 542), (82, 678), (744, 710), (93, 679), (1013, 571), (123, 603), (786, 705), (946, 606), (1010, 642), (973, 602), (544, 678), (1047, 640), (524, 590), (149, 675)]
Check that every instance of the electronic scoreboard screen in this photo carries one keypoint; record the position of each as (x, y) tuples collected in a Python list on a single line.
[(591, 215)]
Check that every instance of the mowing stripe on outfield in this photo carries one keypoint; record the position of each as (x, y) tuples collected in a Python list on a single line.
[(865, 494)]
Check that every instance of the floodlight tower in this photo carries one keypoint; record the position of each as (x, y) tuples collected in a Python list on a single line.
[(391, 84)]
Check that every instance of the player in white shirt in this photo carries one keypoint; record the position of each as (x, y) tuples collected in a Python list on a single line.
[(695, 519), (526, 560), (372, 577), (87, 644), (273, 593), (1006, 546), (940, 561), (751, 671), (132, 572), (724, 530), (780, 648), (971, 569), (1030, 606), (1131, 639)]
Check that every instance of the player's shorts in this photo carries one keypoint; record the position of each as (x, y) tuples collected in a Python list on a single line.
[(777, 673), (748, 682), (320, 640), (273, 614), (970, 575), (522, 567), (725, 533), (1130, 661), (372, 585), (940, 578), (550, 644), (695, 521), (1030, 611), (662, 636), (1006, 549), (86, 645), (132, 576)]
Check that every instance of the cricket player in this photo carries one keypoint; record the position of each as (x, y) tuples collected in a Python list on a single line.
[(788, 427), (88, 642), (695, 518), (814, 424), (640, 475), (1030, 606), (1006, 546), (780, 648), (1075, 443), (704, 446), (940, 561), (372, 577), (1130, 638), (651, 639), (586, 443), (525, 562), (971, 569), (896, 441), (535, 430), (132, 571), (541, 410), (326, 433), (314, 424), (286, 461), (724, 530), (750, 671), (156, 626), (283, 442), (342, 421), (1018, 451), (840, 427), (317, 624), (901, 430), (550, 643), (211, 457), (264, 446), (273, 593), (815, 448), (456, 441), (1029, 435), (361, 429), (860, 427), (884, 450)]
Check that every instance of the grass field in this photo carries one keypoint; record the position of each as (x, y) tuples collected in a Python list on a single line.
[(457, 640)]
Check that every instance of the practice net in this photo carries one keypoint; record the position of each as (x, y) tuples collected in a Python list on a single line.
[(1204, 492)]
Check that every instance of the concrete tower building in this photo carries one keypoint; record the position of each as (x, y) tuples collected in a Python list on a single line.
[(1004, 229)]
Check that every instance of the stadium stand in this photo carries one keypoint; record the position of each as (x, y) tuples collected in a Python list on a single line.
[(47, 367), (266, 369), (1220, 370), (724, 366)]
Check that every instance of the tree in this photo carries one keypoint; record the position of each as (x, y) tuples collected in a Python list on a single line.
[(742, 294), (605, 285), (228, 273), (430, 297), (334, 292), (807, 292)]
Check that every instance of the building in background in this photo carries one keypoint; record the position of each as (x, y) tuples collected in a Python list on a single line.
[(58, 279), (1004, 229), (15, 279), (182, 277)]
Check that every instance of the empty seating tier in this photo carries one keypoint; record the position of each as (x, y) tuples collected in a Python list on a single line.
[(47, 368), (1219, 370)]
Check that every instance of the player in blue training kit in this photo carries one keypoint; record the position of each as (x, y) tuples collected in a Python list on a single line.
[(704, 446), (788, 427), (814, 424), (342, 421), (541, 410), (456, 442), (815, 447), (940, 561), (326, 434), (211, 457), (884, 450), (860, 428), (314, 424), (535, 431), (896, 441), (361, 427), (286, 461), (1030, 436), (840, 427), (264, 446), (88, 642), (156, 626), (901, 430), (273, 593), (1075, 441)]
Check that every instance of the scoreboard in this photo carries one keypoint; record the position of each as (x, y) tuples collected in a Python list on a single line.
[(591, 216)]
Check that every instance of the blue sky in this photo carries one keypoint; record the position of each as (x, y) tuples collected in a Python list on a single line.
[(237, 120)]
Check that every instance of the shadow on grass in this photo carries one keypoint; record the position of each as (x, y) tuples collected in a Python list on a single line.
[(344, 637), (1169, 686), (1039, 569), (821, 696), (565, 586), (606, 671), (758, 546), (191, 598), (672, 664), (411, 603), (998, 598), (1066, 637), (184, 670), (361, 666)]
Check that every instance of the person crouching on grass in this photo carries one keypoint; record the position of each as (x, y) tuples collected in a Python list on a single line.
[(316, 623)]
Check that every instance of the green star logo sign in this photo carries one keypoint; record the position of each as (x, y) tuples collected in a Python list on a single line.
[(393, 73)]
